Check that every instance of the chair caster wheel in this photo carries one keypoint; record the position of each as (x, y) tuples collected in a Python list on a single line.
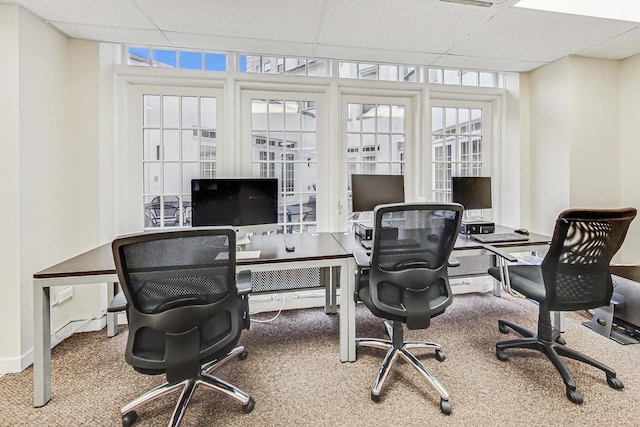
[(561, 341), (243, 355), (502, 355), (129, 418), (574, 396), (440, 355), (248, 407), (503, 328), (445, 406), (615, 382), (375, 397)]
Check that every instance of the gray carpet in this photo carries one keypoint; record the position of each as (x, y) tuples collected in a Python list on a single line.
[(294, 374)]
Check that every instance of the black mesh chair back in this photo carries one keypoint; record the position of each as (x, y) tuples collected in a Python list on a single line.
[(411, 247), (184, 309), (576, 267), (405, 281)]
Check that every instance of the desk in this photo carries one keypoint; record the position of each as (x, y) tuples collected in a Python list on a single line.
[(464, 246), (96, 266)]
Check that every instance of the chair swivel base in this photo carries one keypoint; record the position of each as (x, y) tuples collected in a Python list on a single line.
[(553, 349), (129, 415), (402, 349)]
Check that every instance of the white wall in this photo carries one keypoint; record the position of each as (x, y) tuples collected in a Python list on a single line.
[(549, 145), (50, 165), (630, 152), (9, 186), (583, 140)]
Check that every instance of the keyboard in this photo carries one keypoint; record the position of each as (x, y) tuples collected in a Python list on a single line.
[(391, 243), (247, 254), (499, 237), (240, 255)]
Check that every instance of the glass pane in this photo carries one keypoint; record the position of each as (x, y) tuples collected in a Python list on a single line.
[(152, 211), (295, 66), (189, 112), (383, 169), (164, 58), (384, 148), (452, 77), (435, 75), (487, 79), (208, 110), (270, 65), (317, 67), (276, 117), (463, 119), (208, 146), (151, 145), (253, 63), (369, 145), (389, 72), (258, 114), (353, 117), (384, 118), (397, 118), (190, 145), (292, 118), (215, 61), (451, 120), (170, 108), (368, 117), (138, 56), (397, 147), (189, 171), (476, 121), (309, 116), (368, 71), (171, 145), (470, 78), (172, 178), (151, 112), (151, 178), (279, 144), (190, 60), (437, 118), (396, 169), (207, 170), (408, 74), (348, 70)]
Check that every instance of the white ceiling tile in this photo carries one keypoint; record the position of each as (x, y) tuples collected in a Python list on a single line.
[(410, 25), (491, 64), (112, 13), (283, 20), (236, 44), (373, 55), (112, 34), (620, 47), (537, 36)]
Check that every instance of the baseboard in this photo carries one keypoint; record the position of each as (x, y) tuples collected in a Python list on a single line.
[(19, 364)]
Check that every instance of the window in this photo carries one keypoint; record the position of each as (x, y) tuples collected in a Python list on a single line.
[(284, 145), (375, 140), (457, 147), (179, 144)]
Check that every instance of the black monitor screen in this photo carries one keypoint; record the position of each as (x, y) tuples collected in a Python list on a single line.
[(235, 202), (472, 192), (369, 191)]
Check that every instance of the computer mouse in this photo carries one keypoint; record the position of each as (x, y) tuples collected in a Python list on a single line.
[(522, 231)]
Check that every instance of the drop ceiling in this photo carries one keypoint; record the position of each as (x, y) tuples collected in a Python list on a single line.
[(421, 32)]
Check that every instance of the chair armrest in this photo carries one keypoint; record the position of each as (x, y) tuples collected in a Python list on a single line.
[(244, 282), (453, 262), (500, 253), (119, 303), (362, 259)]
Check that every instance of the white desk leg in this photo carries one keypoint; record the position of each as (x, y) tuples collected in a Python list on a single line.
[(41, 344), (558, 320), (112, 318), (347, 312)]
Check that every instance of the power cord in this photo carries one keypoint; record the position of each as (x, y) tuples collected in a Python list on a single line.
[(274, 317)]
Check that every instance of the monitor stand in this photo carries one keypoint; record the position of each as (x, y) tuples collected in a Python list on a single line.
[(242, 239)]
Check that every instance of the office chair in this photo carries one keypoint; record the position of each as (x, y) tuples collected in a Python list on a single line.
[(405, 280), (185, 311), (574, 275)]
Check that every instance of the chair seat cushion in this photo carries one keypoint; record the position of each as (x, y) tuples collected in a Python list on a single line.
[(526, 279)]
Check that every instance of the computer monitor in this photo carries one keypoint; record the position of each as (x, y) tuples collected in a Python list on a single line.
[(472, 192), (369, 191), (248, 204)]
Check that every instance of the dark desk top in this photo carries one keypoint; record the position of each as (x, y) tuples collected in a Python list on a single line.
[(308, 247), (351, 242), (631, 272)]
